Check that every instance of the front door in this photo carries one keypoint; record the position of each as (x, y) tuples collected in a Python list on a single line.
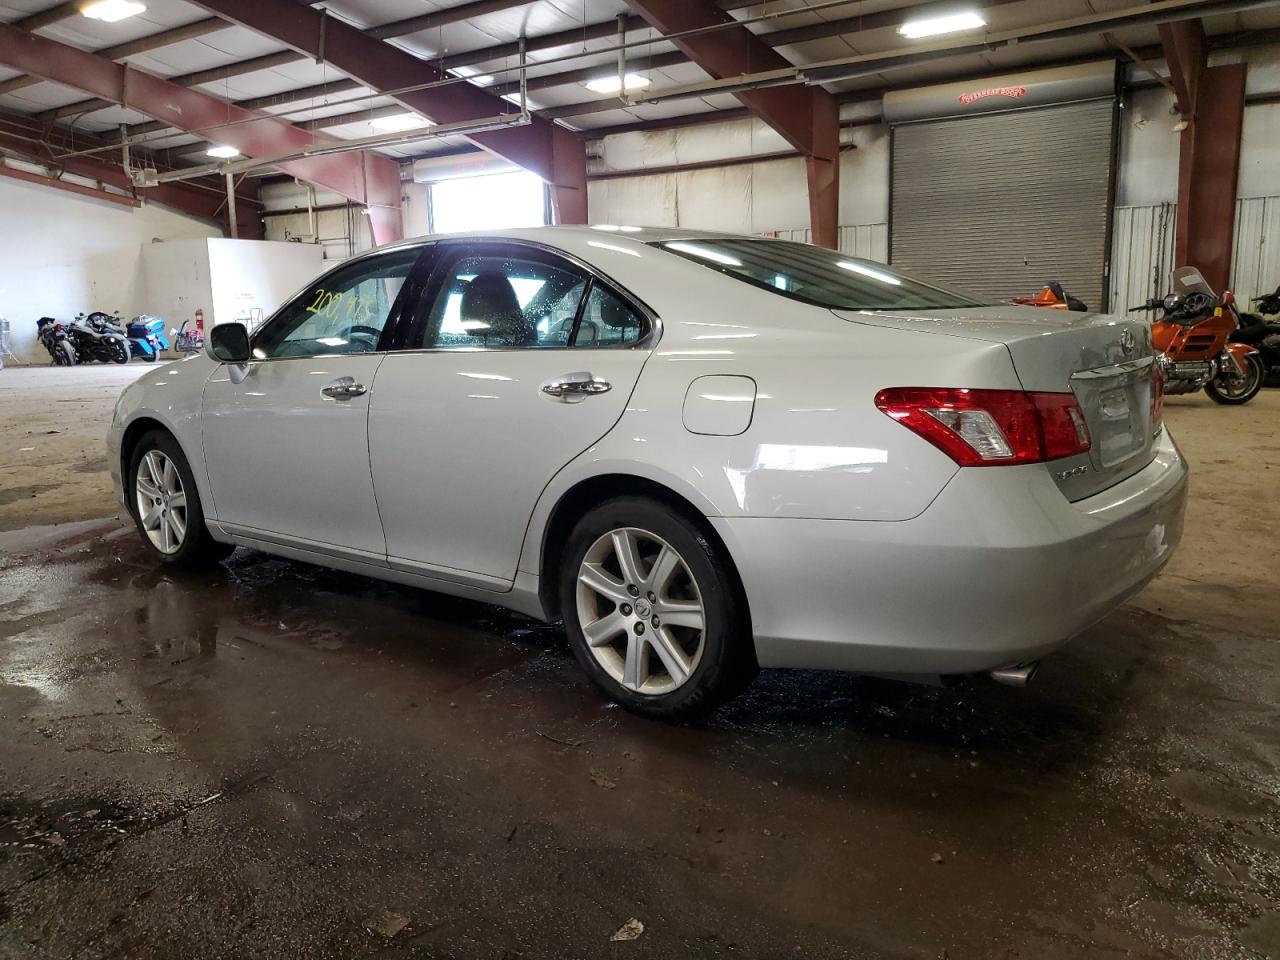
[(288, 448), (522, 360)]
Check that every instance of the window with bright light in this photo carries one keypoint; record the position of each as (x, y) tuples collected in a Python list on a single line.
[(488, 203)]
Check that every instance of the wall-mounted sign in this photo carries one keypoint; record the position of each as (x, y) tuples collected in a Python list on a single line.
[(1013, 93)]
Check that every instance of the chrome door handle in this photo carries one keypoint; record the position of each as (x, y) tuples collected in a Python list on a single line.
[(344, 388), (575, 386)]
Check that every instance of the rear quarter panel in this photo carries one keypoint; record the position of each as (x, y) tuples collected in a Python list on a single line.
[(817, 447)]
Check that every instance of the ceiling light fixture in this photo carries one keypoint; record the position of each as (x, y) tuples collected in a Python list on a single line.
[(223, 152), (399, 121), (610, 84), (109, 11), (947, 23)]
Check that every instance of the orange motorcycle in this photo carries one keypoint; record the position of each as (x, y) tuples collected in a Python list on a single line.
[(1053, 297), (1192, 335)]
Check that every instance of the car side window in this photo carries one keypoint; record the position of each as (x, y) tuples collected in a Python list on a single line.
[(500, 301), (344, 311), (607, 320)]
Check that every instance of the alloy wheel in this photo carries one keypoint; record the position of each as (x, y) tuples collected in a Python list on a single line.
[(162, 502), (640, 611)]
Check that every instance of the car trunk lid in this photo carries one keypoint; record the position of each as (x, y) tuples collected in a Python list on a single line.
[(1106, 361)]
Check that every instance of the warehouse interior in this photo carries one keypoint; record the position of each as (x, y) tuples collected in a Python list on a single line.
[(275, 759)]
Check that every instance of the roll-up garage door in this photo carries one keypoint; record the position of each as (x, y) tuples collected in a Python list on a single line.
[(1003, 202)]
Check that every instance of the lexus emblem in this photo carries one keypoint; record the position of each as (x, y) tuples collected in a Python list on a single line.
[(1126, 342)]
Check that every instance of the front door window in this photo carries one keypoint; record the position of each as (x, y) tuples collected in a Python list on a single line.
[(344, 311)]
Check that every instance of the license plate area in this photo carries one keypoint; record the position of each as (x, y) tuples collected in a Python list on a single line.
[(1116, 402)]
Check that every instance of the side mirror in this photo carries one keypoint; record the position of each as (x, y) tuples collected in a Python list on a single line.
[(229, 343)]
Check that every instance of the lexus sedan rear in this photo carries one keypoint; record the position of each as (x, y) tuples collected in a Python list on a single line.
[(705, 453)]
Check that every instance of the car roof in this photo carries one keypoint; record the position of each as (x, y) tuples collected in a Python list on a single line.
[(571, 235)]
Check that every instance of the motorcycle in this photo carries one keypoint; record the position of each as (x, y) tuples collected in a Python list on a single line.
[(188, 340), (1193, 335), (98, 337), (146, 337), (1264, 335), (53, 335), (1270, 304), (1053, 297)]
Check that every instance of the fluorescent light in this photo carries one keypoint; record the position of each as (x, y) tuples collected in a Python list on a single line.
[(715, 256), (223, 152), (948, 23), (874, 274), (610, 84), (109, 11), (399, 121)]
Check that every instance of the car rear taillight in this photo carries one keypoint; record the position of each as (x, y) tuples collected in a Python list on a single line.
[(986, 428)]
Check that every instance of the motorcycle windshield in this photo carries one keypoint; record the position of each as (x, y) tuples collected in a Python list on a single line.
[(1189, 280)]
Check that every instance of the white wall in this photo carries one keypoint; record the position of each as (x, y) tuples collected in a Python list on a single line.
[(258, 274), (226, 279), (62, 253), (746, 198), (338, 234)]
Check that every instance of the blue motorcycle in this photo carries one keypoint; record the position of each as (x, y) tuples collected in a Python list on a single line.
[(146, 337)]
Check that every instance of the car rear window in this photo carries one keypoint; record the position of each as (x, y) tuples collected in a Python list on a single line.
[(817, 275)]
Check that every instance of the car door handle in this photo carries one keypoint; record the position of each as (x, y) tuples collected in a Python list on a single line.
[(575, 386), (344, 388)]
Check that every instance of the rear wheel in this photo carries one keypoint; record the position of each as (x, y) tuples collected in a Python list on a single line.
[(166, 506), (654, 611), (1230, 389), (64, 355)]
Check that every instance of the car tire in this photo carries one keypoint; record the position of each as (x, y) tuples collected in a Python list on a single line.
[(174, 534), (665, 669), (1242, 389)]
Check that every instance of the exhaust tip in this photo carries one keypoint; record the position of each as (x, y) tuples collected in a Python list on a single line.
[(1018, 675)]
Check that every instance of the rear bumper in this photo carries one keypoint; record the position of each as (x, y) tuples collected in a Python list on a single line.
[(1000, 569)]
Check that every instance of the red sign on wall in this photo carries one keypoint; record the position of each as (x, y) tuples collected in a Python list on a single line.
[(1013, 93)]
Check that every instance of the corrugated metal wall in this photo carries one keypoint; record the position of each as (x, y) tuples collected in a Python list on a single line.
[(1142, 251), (868, 241), (1141, 254), (1255, 266)]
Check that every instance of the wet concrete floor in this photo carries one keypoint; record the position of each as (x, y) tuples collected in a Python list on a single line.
[(274, 760)]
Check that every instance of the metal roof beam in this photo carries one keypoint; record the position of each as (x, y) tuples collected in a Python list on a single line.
[(368, 178), (551, 152)]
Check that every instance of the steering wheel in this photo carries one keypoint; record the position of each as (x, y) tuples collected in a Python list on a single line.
[(364, 338)]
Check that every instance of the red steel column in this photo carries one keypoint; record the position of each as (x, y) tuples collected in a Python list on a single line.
[(1211, 101)]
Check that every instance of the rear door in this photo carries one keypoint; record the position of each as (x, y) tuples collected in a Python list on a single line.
[(520, 360)]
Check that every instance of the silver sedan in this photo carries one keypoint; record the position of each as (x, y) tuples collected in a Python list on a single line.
[(705, 453)]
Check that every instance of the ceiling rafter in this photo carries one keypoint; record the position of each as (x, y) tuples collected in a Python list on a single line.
[(366, 177)]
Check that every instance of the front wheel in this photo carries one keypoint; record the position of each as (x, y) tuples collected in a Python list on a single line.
[(1230, 389), (654, 611), (64, 354), (166, 506)]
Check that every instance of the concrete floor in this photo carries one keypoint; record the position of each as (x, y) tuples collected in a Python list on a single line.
[(272, 760)]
